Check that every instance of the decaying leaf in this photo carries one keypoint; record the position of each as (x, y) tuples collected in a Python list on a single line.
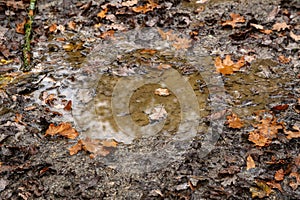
[(63, 129), (236, 18), (294, 36), (268, 32), (263, 190), (250, 162), (265, 131), (294, 184), (274, 184), (279, 175), (158, 113), (150, 6), (162, 92), (107, 34), (227, 66), (169, 35), (93, 146), (234, 121), (280, 26)]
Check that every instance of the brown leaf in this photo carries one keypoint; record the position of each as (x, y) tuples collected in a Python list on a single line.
[(163, 66), (250, 162), (294, 36), (279, 175), (53, 28), (72, 25), (293, 134), (279, 108), (257, 26), (228, 66), (102, 13), (266, 31), (236, 18), (169, 35), (68, 107), (283, 59), (162, 92), (265, 131), (234, 121), (150, 6), (20, 27), (107, 34), (109, 143), (63, 129), (76, 148), (280, 26), (276, 185)]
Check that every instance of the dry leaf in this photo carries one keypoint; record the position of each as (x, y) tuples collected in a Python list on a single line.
[(72, 25), (150, 6), (228, 66), (257, 26), (68, 107), (162, 92), (182, 43), (53, 28), (167, 35), (234, 121), (280, 26), (129, 3), (250, 163), (294, 36), (293, 134), (158, 113), (76, 148), (107, 34), (163, 66), (102, 13), (20, 27), (263, 190), (283, 59), (265, 131), (63, 129), (236, 18), (266, 31), (276, 185), (279, 175), (293, 184)]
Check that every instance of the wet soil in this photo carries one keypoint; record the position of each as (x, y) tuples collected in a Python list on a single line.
[(194, 155)]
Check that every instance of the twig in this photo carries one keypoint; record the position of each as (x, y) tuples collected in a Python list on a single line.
[(28, 29)]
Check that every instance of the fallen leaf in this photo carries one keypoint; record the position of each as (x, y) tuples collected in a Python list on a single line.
[(279, 175), (227, 66), (150, 6), (72, 25), (52, 28), (182, 43), (158, 113), (257, 26), (294, 185), (266, 31), (263, 190), (163, 66), (102, 13), (279, 108), (280, 26), (162, 92), (234, 121), (293, 134), (276, 185), (129, 3), (63, 129), (283, 59), (107, 34), (167, 35), (76, 148), (236, 18), (250, 162), (20, 27), (265, 131), (148, 51), (68, 107), (294, 36)]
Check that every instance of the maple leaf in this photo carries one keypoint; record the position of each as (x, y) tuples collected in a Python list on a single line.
[(250, 162), (280, 26), (162, 92), (63, 129), (150, 6), (227, 66), (236, 18), (234, 121), (265, 131)]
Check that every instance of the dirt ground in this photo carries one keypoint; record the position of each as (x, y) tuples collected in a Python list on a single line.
[(81, 49)]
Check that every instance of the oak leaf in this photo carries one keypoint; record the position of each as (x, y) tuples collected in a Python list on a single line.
[(63, 129), (227, 66), (236, 18)]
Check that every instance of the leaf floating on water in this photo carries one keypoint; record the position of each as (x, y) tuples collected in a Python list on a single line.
[(234, 121), (227, 66), (162, 92), (236, 18), (63, 129)]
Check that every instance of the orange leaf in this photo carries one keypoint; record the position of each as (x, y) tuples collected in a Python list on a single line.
[(283, 59), (107, 34), (234, 121), (20, 27), (68, 107), (276, 185), (293, 184), (228, 66), (150, 6), (236, 18), (182, 43), (293, 134), (279, 175), (250, 163), (72, 25), (76, 148), (52, 28), (63, 129), (102, 14)]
